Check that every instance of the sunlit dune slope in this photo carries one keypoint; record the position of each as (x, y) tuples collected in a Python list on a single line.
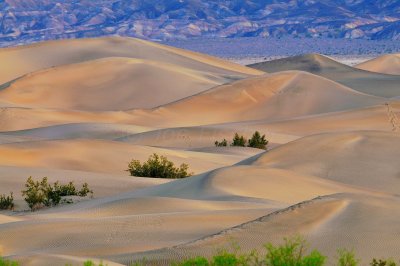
[(386, 64), (277, 96), (364, 81), (109, 84), (22, 60)]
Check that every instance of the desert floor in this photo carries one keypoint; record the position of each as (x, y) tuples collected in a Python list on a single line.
[(80, 110)]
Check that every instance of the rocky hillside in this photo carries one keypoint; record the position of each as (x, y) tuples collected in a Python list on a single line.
[(32, 20)]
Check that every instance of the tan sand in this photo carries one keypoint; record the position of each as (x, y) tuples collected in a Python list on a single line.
[(331, 173), (267, 97), (386, 64), (109, 84), (22, 60), (364, 81)]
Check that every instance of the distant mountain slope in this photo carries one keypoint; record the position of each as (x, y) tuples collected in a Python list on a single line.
[(22, 20)]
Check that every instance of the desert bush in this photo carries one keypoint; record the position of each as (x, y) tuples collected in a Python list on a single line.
[(198, 261), (38, 194), (91, 263), (34, 193), (239, 141), (158, 167), (7, 202), (382, 262), (347, 258), (4, 262), (223, 143), (85, 190), (292, 253), (258, 141)]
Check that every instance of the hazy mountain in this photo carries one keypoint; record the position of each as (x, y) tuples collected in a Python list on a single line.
[(29, 20)]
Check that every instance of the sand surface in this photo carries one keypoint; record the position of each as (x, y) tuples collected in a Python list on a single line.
[(80, 110), (386, 64)]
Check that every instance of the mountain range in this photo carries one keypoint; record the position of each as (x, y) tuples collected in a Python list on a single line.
[(23, 21)]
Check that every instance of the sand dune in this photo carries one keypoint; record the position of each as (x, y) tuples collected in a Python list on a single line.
[(80, 110), (317, 165), (343, 219), (267, 97), (102, 156), (364, 81), (109, 84), (386, 64), (359, 158), (107, 131), (20, 61)]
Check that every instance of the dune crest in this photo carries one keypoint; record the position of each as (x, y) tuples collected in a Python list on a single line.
[(386, 64)]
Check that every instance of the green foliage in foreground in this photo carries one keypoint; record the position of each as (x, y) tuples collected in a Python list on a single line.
[(40, 193), (4, 262), (256, 141), (347, 258), (7, 202), (158, 167), (293, 252), (382, 262)]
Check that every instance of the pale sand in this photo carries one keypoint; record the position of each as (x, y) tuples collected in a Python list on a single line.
[(108, 84), (87, 128), (267, 97), (23, 60), (364, 81), (386, 64)]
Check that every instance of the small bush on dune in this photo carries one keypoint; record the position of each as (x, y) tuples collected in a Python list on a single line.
[(91, 263), (4, 262), (198, 261), (292, 253), (158, 167), (223, 143), (38, 194), (7, 202), (34, 193), (382, 262), (258, 141), (238, 141), (347, 258)]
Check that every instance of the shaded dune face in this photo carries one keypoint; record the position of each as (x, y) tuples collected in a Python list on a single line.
[(363, 81), (386, 64), (277, 96), (349, 167)]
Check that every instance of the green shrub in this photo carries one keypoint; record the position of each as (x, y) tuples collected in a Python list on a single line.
[(34, 193), (39, 194), (223, 143), (158, 167), (292, 253), (4, 262), (91, 263), (238, 141), (382, 262), (258, 141), (225, 259), (347, 258), (198, 261), (85, 190), (7, 202)]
